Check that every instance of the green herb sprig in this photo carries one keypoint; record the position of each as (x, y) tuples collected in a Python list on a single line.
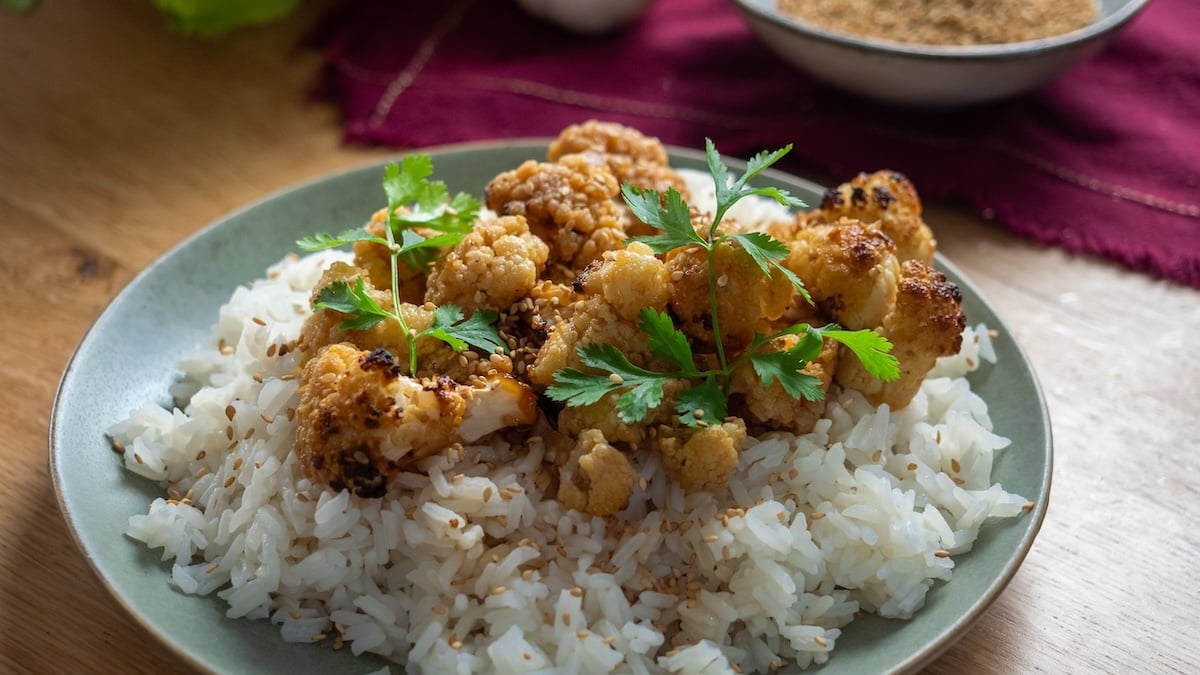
[(706, 401), (413, 201)]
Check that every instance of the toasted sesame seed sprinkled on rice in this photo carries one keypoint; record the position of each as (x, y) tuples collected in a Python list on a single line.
[(230, 481), (258, 320), (941, 553)]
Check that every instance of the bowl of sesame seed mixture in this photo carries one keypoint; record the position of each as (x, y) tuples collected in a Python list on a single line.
[(936, 53)]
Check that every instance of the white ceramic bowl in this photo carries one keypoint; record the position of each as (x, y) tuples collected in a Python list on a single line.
[(928, 75)]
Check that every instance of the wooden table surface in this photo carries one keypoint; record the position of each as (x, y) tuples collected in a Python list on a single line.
[(118, 138)]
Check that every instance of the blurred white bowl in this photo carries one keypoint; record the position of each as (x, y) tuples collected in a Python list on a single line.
[(586, 16), (930, 75)]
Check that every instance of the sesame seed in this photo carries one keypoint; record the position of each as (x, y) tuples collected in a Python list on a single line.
[(912, 466), (566, 618), (230, 411), (940, 553), (955, 466), (232, 445), (527, 656), (271, 350), (138, 458), (793, 474), (487, 493), (876, 456), (118, 447), (229, 432), (1027, 505), (259, 321), (201, 455), (615, 378), (498, 590), (817, 516), (582, 634), (230, 481), (820, 640), (712, 538), (237, 463), (453, 523), (249, 433), (937, 437), (577, 592), (266, 418)]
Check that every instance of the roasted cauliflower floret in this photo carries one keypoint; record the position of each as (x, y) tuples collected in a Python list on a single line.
[(747, 299), (376, 261), (597, 478), (888, 199), (702, 459), (569, 204), (630, 280), (772, 407), (359, 421), (925, 322), (632, 156), (591, 320), (850, 269), (496, 264), (607, 138)]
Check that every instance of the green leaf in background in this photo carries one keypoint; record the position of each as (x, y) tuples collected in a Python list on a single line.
[(18, 6), (207, 18)]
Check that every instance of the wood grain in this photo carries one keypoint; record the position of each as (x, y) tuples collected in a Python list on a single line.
[(118, 138)]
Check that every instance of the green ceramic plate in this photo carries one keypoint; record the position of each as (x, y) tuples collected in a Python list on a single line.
[(129, 354)]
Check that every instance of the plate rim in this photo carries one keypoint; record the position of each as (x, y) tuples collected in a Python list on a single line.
[(923, 656)]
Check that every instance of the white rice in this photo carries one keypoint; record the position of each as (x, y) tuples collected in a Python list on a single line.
[(466, 569)]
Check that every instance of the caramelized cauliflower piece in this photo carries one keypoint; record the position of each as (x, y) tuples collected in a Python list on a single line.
[(597, 478), (849, 268), (359, 421), (496, 264), (747, 299), (925, 322), (702, 459), (888, 199), (376, 261), (632, 156), (569, 204), (590, 320), (630, 280), (772, 407)]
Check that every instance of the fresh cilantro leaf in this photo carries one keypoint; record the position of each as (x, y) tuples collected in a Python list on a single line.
[(323, 240), (768, 252), (416, 201), (478, 331), (761, 246), (785, 366), (577, 388), (361, 310), (728, 193), (675, 220), (703, 403), (402, 182), (761, 162), (666, 341), (643, 388), (871, 348)]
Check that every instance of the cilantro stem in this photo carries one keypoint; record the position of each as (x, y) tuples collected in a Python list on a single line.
[(409, 338)]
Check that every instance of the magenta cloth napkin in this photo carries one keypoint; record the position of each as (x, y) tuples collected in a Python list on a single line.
[(1104, 160)]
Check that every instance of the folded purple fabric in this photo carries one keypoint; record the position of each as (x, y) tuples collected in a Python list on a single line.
[(1104, 160)]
